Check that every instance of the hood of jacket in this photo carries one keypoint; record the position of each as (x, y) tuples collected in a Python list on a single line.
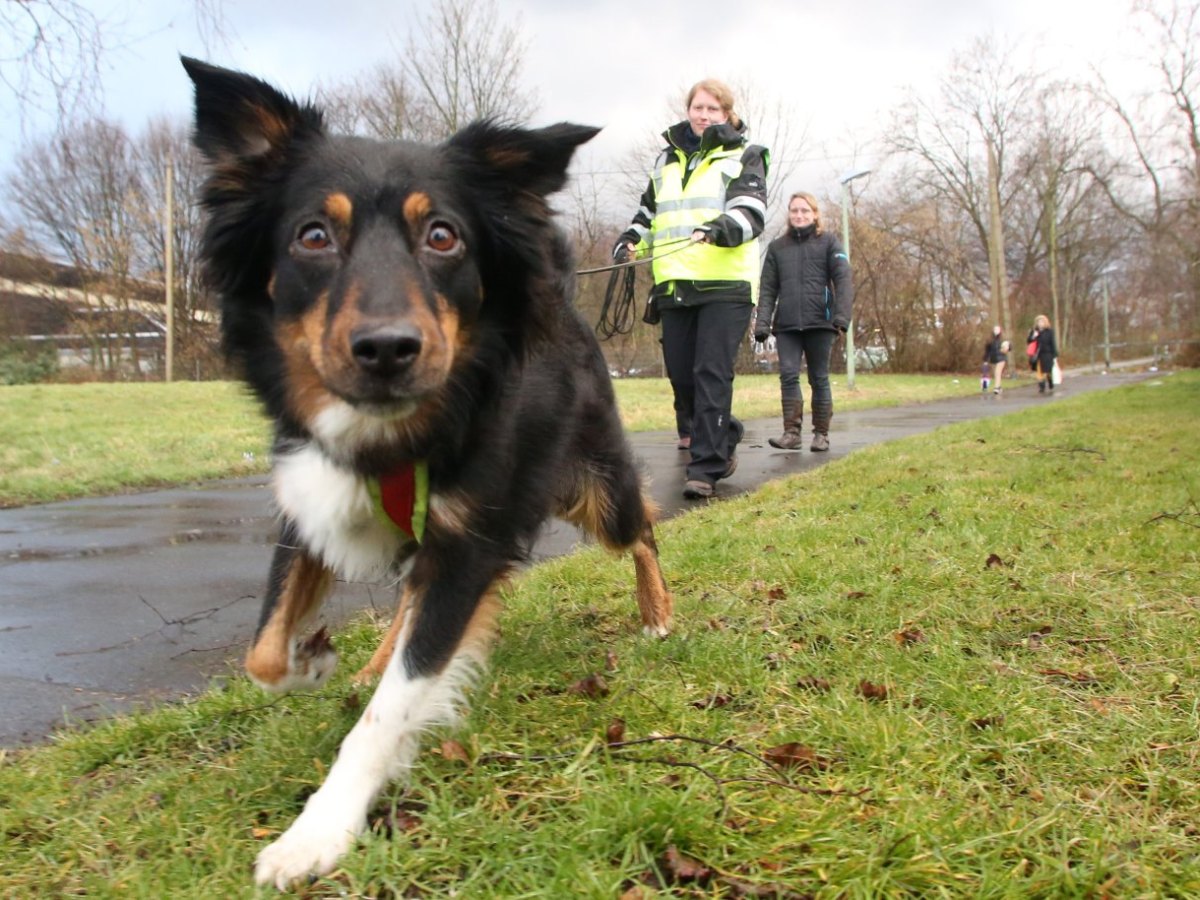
[(720, 135)]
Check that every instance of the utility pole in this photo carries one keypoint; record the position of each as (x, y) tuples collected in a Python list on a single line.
[(169, 267), (845, 180)]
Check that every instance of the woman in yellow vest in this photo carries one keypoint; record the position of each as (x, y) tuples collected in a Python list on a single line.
[(707, 195)]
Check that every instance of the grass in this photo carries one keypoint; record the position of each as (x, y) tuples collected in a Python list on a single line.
[(65, 441), (980, 644)]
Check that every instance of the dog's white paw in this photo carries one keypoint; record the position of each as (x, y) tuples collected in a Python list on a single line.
[(312, 846), (656, 631), (310, 664)]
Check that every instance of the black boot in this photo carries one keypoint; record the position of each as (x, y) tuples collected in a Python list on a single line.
[(793, 419)]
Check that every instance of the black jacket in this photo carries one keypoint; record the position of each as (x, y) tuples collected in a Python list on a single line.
[(805, 283), (1047, 348), (991, 350)]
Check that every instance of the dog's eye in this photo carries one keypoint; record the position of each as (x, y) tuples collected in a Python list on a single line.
[(314, 238), (441, 238)]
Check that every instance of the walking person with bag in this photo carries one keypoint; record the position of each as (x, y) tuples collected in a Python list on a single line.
[(806, 299), (1046, 358), (708, 187)]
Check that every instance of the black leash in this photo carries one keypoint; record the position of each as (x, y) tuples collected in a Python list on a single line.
[(616, 313)]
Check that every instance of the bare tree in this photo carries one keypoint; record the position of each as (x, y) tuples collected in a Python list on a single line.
[(463, 63), (458, 65), (1158, 189), (79, 195), (53, 52)]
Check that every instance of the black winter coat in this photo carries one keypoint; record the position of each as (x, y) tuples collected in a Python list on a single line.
[(1047, 349), (805, 284)]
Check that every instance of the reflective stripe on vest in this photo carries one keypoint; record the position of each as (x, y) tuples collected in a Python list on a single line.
[(681, 208)]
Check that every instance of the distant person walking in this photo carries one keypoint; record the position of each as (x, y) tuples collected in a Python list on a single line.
[(805, 301), (709, 187), (995, 360), (1047, 353)]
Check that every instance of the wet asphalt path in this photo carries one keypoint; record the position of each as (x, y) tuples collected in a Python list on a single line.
[(110, 602)]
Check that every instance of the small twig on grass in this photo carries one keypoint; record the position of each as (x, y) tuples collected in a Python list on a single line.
[(1190, 517), (615, 747), (1073, 450)]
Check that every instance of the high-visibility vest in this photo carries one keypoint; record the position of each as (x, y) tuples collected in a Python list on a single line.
[(681, 208)]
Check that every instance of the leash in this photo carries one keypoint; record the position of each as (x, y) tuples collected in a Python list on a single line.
[(631, 263), (616, 313)]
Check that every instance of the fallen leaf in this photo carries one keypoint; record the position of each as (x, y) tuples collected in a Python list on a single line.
[(683, 868), (398, 818), (713, 701), (856, 595), (1073, 677), (872, 691), (994, 562), (796, 756), (455, 751), (909, 636), (261, 833), (776, 593), (610, 661), (592, 686), (615, 733)]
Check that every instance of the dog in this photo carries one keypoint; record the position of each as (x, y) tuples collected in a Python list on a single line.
[(404, 314)]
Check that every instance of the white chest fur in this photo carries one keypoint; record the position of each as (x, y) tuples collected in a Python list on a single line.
[(333, 512)]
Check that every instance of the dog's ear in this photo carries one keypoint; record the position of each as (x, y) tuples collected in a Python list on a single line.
[(533, 160), (239, 117)]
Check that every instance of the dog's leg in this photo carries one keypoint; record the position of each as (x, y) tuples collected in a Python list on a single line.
[(379, 659), (619, 515), (442, 639), (653, 597), (279, 661)]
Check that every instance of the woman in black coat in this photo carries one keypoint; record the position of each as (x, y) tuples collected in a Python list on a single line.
[(1047, 352), (805, 299)]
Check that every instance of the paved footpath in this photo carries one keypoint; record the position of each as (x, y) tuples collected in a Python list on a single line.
[(111, 602)]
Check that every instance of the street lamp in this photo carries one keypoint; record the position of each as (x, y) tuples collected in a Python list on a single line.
[(845, 180)]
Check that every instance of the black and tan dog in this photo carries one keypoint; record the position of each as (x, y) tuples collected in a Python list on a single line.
[(404, 314)]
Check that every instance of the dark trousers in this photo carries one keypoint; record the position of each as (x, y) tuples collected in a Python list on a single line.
[(700, 344), (815, 345)]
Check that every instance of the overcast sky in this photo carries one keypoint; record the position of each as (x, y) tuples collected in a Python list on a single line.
[(843, 65)]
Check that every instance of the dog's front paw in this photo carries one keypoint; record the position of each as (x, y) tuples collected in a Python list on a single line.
[(310, 663), (310, 847)]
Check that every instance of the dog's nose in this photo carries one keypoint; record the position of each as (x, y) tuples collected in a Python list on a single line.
[(385, 350)]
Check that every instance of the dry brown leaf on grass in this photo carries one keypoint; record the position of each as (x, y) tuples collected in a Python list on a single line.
[(871, 691), (615, 732), (713, 701), (592, 686), (795, 755), (683, 869), (909, 636), (453, 750)]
